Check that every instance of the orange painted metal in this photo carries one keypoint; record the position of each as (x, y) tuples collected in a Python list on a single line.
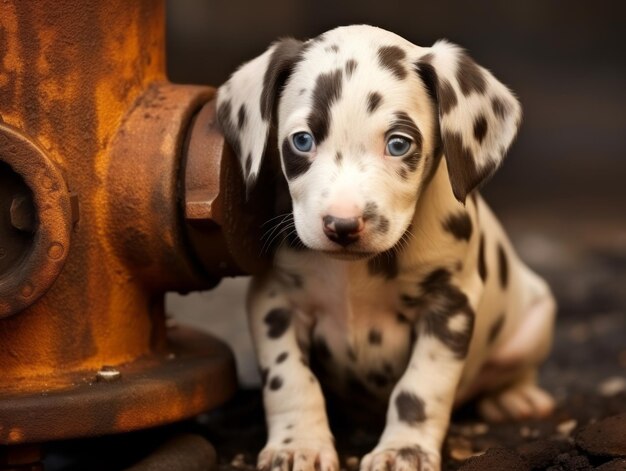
[(94, 146)]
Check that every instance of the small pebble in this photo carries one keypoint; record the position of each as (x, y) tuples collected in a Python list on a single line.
[(566, 428), (473, 430), (528, 432), (108, 374), (480, 428), (238, 461), (460, 448), (352, 463), (612, 386)]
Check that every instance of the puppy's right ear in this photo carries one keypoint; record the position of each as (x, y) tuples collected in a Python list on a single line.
[(247, 103)]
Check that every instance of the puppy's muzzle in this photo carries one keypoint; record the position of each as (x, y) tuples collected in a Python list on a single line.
[(343, 231)]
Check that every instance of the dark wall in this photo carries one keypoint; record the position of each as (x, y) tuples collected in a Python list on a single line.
[(565, 60)]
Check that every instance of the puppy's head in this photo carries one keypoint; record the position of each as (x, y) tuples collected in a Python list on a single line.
[(362, 118)]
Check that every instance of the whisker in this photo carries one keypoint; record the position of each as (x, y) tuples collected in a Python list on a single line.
[(273, 228), (274, 218), (270, 242)]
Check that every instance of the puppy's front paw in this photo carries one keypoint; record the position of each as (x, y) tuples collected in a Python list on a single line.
[(401, 457), (299, 455)]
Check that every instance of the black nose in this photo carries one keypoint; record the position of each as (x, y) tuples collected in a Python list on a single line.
[(343, 231)]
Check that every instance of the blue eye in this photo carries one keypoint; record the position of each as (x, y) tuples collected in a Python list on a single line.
[(303, 141), (398, 145)]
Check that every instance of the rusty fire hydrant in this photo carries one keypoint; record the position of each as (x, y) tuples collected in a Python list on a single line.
[(115, 186)]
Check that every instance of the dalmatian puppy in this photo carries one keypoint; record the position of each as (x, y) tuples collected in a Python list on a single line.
[(393, 281)]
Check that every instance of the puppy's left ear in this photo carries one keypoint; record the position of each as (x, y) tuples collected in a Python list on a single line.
[(478, 115), (246, 103)]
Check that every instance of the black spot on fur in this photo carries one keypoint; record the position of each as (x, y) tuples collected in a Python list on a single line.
[(287, 441), (465, 176), (440, 300), (295, 164), (500, 109), (278, 320), (410, 408), (327, 91), (482, 262), (241, 117), (391, 57), (384, 264), (282, 357), (459, 225), (276, 383), (447, 97), (332, 48), (383, 225), (338, 157), (411, 160), (375, 337), (373, 101), (413, 457), (427, 73), (480, 128), (370, 211), (286, 54), (439, 90), (469, 75), (503, 265), (228, 127), (495, 329), (277, 462), (350, 67)]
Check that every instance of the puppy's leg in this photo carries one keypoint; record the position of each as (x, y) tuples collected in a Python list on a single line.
[(421, 402), (299, 437), (520, 397)]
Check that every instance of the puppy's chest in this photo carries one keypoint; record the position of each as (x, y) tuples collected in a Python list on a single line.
[(360, 339)]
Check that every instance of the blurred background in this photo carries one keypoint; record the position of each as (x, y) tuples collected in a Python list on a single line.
[(561, 192)]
